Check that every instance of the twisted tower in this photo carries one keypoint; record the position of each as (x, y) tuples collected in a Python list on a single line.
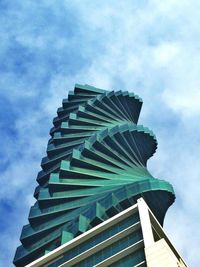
[(95, 168)]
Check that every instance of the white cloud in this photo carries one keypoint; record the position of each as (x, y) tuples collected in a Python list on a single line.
[(165, 53)]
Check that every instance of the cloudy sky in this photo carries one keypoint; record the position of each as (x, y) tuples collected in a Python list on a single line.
[(147, 47)]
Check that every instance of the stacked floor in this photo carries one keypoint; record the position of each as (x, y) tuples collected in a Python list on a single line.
[(94, 169)]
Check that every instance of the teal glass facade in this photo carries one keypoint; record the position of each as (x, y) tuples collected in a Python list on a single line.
[(95, 167), (101, 237), (127, 239)]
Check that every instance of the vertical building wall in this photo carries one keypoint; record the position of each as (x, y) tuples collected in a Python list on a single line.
[(160, 254), (159, 251)]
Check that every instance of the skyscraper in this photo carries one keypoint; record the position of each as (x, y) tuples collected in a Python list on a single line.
[(94, 186)]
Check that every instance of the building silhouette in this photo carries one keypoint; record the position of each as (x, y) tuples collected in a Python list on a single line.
[(96, 203)]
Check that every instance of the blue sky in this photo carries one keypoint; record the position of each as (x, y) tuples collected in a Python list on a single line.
[(147, 47)]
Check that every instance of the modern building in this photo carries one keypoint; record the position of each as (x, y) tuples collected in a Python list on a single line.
[(96, 203), (133, 237)]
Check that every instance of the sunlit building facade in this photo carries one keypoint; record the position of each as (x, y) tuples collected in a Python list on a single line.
[(96, 203)]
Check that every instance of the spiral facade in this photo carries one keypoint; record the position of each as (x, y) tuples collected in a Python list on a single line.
[(95, 168)]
